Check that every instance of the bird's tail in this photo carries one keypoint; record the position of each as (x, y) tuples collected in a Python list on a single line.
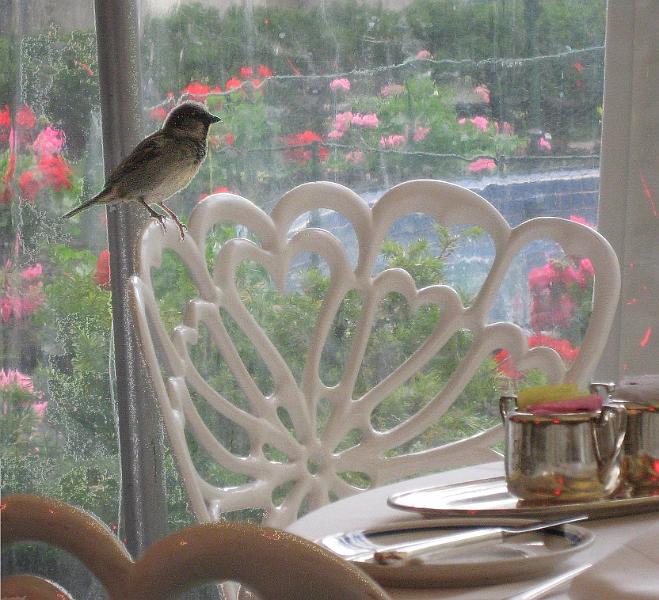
[(98, 199)]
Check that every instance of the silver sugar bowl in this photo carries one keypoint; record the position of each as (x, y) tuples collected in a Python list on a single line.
[(641, 447), (563, 456)]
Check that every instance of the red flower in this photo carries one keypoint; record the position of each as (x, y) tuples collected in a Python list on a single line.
[(563, 347), (29, 185), (85, 67), (505, 365), (229, 138), (264, 71), (218, 190), (216, 90), (246, 72), (159, 113), (233, 84), (300, 154), (197, 91), (5, 117), (102, 274), (25, 118), (256, 83), (578, 67), (302, 139), (56, 172)]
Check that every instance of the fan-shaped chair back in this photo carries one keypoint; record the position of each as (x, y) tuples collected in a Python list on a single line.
[(313, 461)]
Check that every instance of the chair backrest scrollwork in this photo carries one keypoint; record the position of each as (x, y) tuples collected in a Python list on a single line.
[(312, 464)]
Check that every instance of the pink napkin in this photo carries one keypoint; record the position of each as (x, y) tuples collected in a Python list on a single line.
[(582, 403)]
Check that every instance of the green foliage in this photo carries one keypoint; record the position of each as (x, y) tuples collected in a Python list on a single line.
[(59, 76)]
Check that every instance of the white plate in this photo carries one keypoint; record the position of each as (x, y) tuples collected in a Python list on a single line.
[(513, 558)]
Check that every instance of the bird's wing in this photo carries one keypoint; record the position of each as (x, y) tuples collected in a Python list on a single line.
[(150, 151)]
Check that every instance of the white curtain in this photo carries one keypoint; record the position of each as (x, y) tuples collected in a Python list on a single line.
[(629, 192)]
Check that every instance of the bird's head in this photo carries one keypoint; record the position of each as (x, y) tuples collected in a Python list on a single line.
[(190, 118)]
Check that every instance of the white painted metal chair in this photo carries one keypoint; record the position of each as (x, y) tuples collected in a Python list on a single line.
[(313, 464)]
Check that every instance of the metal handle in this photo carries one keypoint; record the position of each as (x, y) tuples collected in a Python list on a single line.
[(614, 418), (507, 404)]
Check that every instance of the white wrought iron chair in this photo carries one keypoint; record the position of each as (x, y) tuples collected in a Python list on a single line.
[(312, 462)]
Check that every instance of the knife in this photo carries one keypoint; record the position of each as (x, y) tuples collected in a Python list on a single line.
[(411, 552)]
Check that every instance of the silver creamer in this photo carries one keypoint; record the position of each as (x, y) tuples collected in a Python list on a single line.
[(563, 456)]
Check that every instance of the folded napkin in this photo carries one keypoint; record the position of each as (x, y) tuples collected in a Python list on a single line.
[(631, 572), (581, 403)]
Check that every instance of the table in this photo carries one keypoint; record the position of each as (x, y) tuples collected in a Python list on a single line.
[(619, 569)]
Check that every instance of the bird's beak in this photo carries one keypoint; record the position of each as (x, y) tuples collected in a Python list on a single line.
[(214, 119)]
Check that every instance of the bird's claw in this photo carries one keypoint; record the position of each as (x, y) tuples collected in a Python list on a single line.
[(161, 219), (182, 228)]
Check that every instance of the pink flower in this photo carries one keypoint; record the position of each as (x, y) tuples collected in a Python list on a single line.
[(420, 133), (392, 141), (40, 408), (335, 134), (507, 128), (369, 120), (543, 277), (246, 72), (342, 121), (483, 92), (265, 71), (581, 220), (5, 309), (392, 89), (355, 156), (15, 379), (572, 275), (340, 84), (587, 266), (25, 117), (480, 122), (49, 141), (423, 54), (32, 272), (482, 164), (462, 121), (544, 144)]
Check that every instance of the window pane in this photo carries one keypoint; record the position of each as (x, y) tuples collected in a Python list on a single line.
[(57, 419), (503, 97)]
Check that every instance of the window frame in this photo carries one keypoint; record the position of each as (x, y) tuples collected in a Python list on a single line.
[(628, 34)]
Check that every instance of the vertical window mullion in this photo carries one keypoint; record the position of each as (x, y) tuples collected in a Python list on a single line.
[(140, 432)]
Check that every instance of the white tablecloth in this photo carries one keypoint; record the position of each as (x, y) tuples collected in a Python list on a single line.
[(625, 555)]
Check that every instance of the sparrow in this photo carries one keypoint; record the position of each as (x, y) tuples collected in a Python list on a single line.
[(160, 165)]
